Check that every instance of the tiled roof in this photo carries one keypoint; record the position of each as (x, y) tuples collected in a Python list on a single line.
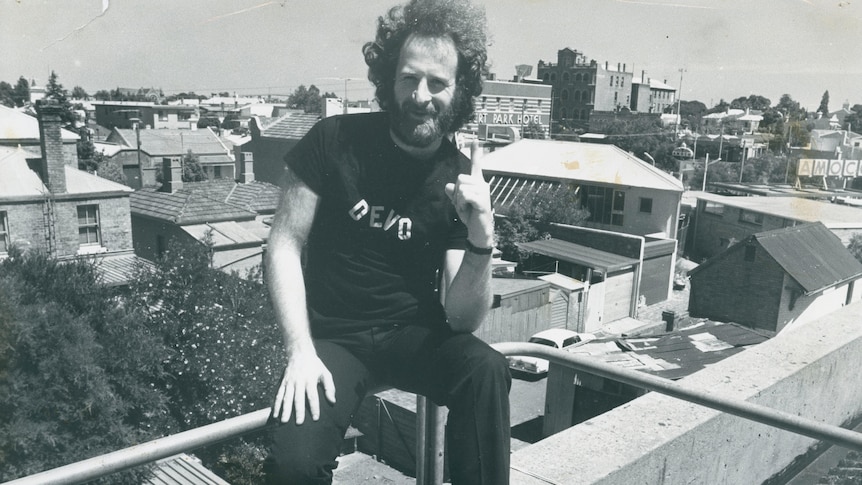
[(291, 126), (168, 142), (207, 202), (15, 125), (811, 254)]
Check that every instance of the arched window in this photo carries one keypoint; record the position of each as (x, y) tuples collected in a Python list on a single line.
[(563, 113), (564, 95), (553, 77), (566, 77), (578, 77), (546, 77), (577, 96)]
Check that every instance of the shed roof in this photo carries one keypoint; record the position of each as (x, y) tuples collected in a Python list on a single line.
[(568, 251), (168, 142), (569, 161), (813, 256)]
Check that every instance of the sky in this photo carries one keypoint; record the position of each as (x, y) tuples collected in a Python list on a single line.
[(725, 48)]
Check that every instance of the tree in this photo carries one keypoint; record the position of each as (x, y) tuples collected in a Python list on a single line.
[(640, 135), (855, 246), (227, 352), (192, 169), (853, 120), (22, 92), (79, 369), (691, 113), (7, 94), (751, 102), (308, 99), (79, 93), (529, 216), (55, 91), (824, 104)]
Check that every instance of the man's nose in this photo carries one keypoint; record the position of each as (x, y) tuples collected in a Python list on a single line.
[(422, 95)]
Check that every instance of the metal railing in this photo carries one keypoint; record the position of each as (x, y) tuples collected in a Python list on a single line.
[(430, 426)]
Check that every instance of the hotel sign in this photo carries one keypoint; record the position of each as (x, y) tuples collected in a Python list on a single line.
[(510, 119), (824, 167)]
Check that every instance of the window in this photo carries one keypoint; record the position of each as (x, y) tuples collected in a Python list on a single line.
[(605, 204), (563, 113), (566, 77), (88, 225), (217, 172), (714, 208), (4, 233), (564, 95), (646, 205), (750, 217)]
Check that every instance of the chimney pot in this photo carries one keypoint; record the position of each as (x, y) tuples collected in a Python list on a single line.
[(172, 175)]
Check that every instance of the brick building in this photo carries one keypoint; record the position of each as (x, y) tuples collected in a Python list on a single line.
[(506, 110), (48, 204), (271, 140), (776, 278), (234, 215), (213, 154)]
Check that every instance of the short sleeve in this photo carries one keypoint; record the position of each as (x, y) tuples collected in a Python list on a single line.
[(307, 159)]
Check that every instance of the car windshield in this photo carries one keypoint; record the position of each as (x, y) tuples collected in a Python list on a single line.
[(543, 341)]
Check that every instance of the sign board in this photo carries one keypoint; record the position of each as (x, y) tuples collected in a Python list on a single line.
[(824, 167), (510, 119)]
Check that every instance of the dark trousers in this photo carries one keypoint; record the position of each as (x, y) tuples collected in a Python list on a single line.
[(452, 369)]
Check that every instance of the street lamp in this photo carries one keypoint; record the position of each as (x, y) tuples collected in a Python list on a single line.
[(705, 167), (651, 159), (345, 79)]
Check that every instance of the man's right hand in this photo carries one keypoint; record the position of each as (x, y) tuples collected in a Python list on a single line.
[(304, 372)]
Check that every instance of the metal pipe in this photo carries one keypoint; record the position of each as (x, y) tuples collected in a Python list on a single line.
[(755, 412), (151, 451), (103, 465)]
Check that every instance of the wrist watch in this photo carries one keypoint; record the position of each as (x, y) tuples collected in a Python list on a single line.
[(480, 251)]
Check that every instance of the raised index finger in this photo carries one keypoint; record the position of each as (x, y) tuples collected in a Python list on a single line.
[(476, 159)]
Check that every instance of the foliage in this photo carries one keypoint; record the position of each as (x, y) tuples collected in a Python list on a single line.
[(526, 219), (192, 169), (639, 135), (54, 90), (308, 99), (853, 120), (228, 352), (209, 120), (534, 131), (691, 113), (855, 246), (7, 94), (79, 93), (824, 104), (79, 370), (751, 102)]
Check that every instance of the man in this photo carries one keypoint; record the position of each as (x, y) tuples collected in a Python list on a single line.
[(397, 229)]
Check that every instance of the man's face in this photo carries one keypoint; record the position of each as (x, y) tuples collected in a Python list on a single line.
[(425, 90)]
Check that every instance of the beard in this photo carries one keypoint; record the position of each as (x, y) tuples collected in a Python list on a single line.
[(419, 126)]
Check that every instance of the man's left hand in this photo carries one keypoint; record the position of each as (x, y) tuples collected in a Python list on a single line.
[(471, 196)]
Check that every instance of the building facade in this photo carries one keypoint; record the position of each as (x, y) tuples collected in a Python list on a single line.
[(126, 114), (512, 110)]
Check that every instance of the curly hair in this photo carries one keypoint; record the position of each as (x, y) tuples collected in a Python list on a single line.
[(460, 20)]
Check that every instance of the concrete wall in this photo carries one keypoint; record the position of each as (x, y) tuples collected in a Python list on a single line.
[(809, 370)]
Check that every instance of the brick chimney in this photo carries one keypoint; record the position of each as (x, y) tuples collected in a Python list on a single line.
[(245, 167), (53, 164), (172, 175)]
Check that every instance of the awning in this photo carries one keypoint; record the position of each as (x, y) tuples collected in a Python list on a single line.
[(575, 253)]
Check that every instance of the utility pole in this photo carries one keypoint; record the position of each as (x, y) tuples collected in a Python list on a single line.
[(679, 101)]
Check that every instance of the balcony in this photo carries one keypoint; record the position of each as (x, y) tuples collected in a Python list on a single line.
[(718, 425)]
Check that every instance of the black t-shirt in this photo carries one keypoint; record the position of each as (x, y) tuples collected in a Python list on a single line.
[(382, 228)]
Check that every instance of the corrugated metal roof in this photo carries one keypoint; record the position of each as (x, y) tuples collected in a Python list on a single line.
[(118, 269), (585, 162), (576, 253), (833, 216), (174, 142), (183, 470), (813, 256), (15, 125), (677, 354)]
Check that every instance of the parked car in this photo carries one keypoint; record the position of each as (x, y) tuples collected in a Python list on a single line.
[(558, 338)]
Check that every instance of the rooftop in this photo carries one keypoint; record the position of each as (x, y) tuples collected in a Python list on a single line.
[(833, 216)]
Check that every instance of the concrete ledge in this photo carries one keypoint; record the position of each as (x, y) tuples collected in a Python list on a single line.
[(810, 370)]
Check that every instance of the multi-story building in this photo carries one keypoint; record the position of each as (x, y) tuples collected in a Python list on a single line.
[(509, 110), (581, 86), (651, 95), (126, 114), (47, 204)]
